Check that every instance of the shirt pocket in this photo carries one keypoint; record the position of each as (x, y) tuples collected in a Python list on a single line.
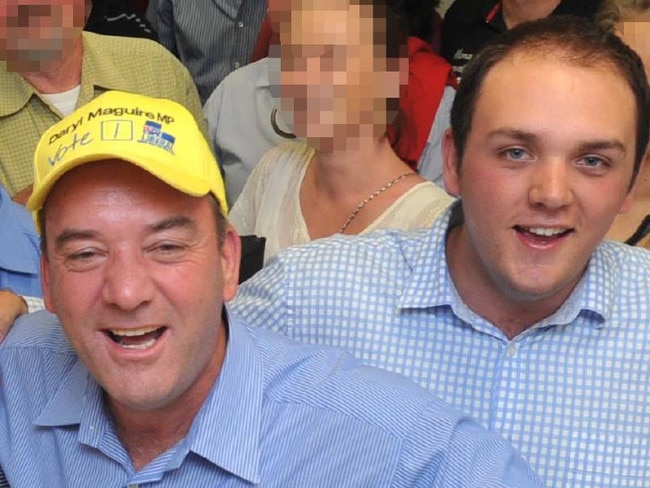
[(609, 459)]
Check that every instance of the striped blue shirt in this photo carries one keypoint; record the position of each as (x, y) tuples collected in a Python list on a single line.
[(572, 393), (282, 414)]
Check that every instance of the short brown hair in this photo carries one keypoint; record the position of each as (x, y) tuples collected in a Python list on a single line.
[(574, 40)]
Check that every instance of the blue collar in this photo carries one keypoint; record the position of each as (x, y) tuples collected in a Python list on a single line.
[(430, 284)]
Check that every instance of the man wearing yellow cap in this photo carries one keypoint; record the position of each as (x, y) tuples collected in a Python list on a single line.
[(143, 377)]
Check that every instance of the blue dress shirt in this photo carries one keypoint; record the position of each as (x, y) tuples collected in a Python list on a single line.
[(572, 393), (282, 414), (19, 249)]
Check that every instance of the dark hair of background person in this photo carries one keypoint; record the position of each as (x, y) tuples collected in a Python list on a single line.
[(118, 18), (417, 17), (573, 40)]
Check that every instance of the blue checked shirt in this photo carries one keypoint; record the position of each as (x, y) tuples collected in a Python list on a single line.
[(572, 393), (282, 414)]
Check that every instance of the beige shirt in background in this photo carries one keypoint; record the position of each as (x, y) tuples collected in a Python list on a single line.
[(269, 205)]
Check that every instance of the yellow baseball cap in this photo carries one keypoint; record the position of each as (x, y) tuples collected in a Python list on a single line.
[(158, 135)]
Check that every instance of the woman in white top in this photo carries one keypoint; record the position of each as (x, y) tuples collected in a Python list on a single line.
[(342, 65)]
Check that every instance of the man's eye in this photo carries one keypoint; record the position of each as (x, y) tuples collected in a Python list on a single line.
[(594, 161), (84, 260), (515, 153), (168, 250), (169, 247), (83, 256)]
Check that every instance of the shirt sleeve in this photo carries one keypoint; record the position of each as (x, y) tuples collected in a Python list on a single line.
[(211, 111), (430, 165), (34, 304)]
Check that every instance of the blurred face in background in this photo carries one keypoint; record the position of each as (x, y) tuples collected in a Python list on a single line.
[(635, 31), (36, 32), (334, 78)]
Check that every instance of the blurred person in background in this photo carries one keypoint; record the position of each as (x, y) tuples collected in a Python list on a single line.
[(342, 67), (50, 67), (210, 37), (469, 25)]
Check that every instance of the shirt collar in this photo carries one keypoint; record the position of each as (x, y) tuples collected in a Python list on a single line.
[(14, 254), (16, 91), (225, 432), (229, 7), (430, 284), (597, 290), (227, 429), (98, 69)]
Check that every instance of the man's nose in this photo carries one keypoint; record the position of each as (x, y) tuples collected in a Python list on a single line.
[(127, 281), (551, 183)]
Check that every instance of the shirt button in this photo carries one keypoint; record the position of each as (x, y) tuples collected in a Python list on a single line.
[(511, 350), (240, 24), (236, 64)]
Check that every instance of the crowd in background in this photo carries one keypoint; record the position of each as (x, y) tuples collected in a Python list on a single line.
[(322, 125)]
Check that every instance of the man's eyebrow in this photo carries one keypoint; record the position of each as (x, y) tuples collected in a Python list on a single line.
[(517, 134), (173, 222), (615, 144), (69, 235)]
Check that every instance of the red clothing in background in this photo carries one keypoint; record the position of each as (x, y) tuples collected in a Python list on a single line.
[(264, 40), (428, 76)]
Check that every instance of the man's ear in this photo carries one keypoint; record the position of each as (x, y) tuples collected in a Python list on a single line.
[(230, 259), (450, 164), (46, 285)]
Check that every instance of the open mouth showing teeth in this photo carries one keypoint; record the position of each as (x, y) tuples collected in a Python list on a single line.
[(136, 338), (544, 232)]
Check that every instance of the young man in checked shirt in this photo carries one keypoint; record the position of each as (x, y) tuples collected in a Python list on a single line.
[(511, 306)]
